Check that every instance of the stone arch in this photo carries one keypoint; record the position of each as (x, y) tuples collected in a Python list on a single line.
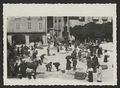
[(18, 39)]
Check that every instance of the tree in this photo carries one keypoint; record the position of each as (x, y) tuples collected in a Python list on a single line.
[(92, 31)]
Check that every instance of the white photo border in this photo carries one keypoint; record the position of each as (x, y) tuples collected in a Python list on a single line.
[(57, 10)]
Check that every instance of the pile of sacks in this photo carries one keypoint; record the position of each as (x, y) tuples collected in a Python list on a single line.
[(80, 75)]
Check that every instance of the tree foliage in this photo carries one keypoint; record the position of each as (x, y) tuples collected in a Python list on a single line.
[(92, 31)]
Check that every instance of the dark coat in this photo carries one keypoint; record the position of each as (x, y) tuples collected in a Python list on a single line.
[(100, 51), (90, 76), (49, 65), (74, 62), (89, 63), (23, 69), (68, 64), (106, 58), (95, 61), (56, 64), (73, 55)]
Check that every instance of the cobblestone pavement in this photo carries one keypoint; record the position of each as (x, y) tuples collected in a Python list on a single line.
[(60, 57)]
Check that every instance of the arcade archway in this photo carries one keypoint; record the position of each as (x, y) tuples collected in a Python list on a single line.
[(18, 39)]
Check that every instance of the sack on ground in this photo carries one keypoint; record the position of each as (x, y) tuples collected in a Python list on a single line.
[(80, 75), (104, 67), (63, 71)]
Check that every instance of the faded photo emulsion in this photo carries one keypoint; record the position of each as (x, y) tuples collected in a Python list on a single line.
[(59, 44)]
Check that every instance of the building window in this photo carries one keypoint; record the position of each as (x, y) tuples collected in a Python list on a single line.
[(40, 19), (104, 18), (29, 18), (17, 19), (89, 19), (40, 25), (29, 25), (95, 19), (82, 19), (59, 20), (17, 25), (55, 20)]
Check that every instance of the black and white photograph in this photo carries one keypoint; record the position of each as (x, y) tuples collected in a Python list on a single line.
[(64, 44)]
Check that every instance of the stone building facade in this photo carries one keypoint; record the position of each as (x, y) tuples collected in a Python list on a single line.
[(84, 20), (26, 26), (59, 24), (38, 26)]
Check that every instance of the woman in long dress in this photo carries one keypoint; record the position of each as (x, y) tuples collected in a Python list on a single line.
[(95, 63), (105, 56), (89, 62), (90, 74), (99, 74), (68, 63)]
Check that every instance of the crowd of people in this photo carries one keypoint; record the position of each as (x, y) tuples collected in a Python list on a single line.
[(89, 51)]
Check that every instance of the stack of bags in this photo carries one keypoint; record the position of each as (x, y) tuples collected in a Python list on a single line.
[(104, 67), (80, 75)]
